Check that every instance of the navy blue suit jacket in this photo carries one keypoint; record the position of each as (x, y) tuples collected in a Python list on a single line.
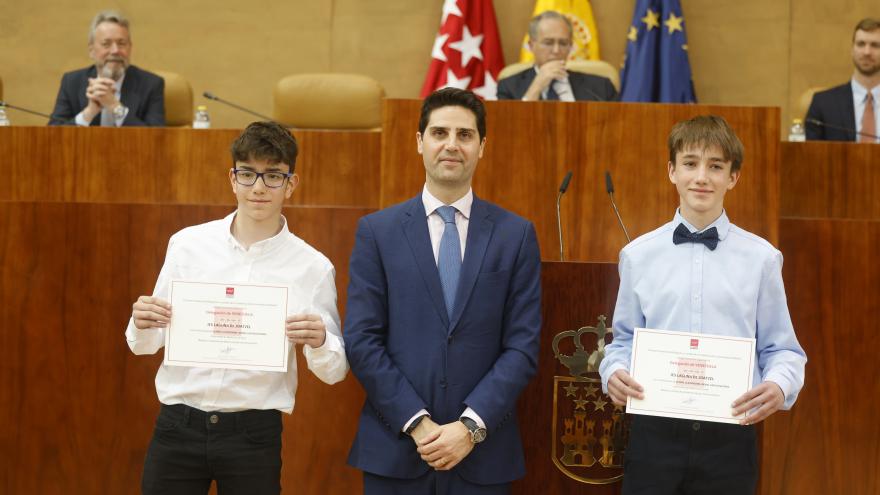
[(586, 87), (833, 106), (408, 355), (142, 92)]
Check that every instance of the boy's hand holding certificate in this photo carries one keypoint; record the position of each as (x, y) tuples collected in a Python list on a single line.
[(234, 326), (690, 376)]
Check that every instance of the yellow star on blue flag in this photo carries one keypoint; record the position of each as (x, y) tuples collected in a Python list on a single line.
[(656, 67)]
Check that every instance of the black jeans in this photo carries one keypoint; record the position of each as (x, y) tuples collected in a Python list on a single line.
[(684, 457), (190, 447)]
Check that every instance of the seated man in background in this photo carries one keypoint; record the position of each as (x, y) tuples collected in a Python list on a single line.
[(111, 93), (550, 39), (850, 110)]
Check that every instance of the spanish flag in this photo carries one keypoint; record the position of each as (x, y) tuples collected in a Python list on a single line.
[(579, 12)]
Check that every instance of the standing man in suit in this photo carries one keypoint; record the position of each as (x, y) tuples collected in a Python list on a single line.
[(443, 322), (110, 93), (550, 39), (852, 105)]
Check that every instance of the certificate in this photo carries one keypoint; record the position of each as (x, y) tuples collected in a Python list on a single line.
[(221, 325), (689, 375)]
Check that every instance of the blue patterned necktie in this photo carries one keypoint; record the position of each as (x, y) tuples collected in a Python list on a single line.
[(449, 259)]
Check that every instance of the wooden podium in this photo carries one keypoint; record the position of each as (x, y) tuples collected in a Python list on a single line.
[(561, 416)]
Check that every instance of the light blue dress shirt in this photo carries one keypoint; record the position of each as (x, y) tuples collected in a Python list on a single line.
[(860, 95), (734, 290)]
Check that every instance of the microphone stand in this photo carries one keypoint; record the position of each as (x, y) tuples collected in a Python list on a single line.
[(25, 110)]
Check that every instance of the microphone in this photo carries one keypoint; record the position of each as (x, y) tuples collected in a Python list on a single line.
[(609, 188), (562, 188), (25, 110), (818, 122), (211, 96)]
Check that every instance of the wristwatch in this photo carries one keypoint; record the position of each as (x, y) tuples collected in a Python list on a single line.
[(478, 434), (119, 111)]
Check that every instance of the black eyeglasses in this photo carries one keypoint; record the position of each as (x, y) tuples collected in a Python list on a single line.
[(270, 179)]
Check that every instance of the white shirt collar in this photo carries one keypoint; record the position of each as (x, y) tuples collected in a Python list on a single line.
[(257, 247), (463, 204), (860, 92)]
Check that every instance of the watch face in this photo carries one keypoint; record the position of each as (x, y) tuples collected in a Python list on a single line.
[(479, 435)]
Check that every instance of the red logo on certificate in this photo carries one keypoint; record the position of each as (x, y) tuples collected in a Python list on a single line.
[(230, 291), (695, 343)]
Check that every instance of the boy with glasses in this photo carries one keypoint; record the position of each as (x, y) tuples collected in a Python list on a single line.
[(225, 424)]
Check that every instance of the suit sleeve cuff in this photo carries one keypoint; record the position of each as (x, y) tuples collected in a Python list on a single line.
[(470, 413), (423, 412), (80, 120)]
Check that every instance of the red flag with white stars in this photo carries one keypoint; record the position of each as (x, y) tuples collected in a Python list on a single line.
[(467, 50)]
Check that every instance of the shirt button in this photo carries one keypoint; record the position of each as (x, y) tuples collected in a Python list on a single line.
[(696, 426), (213, 419)]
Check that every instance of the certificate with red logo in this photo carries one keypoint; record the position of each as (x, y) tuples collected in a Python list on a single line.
[(221, 325), (689, 375)]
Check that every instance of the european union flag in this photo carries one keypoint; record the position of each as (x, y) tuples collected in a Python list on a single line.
[(656, 66)]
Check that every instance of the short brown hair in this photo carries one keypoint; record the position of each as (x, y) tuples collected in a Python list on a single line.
[(706, 131), (867, 24), (453, 97), (268, 141)]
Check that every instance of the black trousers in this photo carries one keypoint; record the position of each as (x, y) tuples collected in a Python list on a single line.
[(684, 457), (431, 483), (190, 448)]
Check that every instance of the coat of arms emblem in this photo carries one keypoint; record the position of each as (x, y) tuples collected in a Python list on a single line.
[(589, 431)]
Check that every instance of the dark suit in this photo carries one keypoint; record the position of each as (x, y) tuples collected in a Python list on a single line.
[(142, 92), (408, 355), (833, 106), (586, 87)]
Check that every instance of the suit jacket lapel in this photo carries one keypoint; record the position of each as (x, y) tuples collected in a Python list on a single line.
[(415, 228), (479, 232), (129, 94), (849, 114)]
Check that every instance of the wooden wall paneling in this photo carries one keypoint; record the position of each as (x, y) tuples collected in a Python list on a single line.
[(531, 145), (830, 180), (183, 166), (78, 404), (574, 295), (829, 442)]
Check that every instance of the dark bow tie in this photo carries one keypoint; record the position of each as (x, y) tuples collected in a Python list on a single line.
[(708, 237)]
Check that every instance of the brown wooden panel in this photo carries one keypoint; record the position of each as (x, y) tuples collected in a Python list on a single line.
[(169, 165), (574, 295), (78, 406), (829, 441), (531, 146), (830, 180)]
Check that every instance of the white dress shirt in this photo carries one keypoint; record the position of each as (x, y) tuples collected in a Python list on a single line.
[(734, 290), (81, 121), (860, 94), (209, 252), (436, 226)]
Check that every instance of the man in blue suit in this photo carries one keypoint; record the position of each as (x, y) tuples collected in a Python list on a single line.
[(442, 322)]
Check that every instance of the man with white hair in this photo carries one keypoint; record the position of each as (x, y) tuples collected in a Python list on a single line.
[(112, 92)]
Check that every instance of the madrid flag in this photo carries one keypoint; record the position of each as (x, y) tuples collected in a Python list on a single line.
[(467, 50)]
